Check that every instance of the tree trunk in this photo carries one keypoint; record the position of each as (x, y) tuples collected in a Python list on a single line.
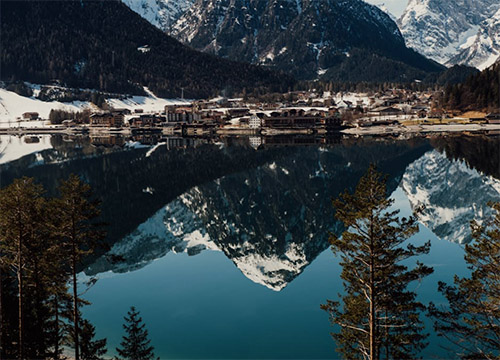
[(75, 292), (373, 350), (372, 318), (75, 305), (56, 310), (20, 300), (39, 349)]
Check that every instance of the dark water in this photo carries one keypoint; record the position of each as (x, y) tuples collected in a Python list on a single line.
[(224, 246)]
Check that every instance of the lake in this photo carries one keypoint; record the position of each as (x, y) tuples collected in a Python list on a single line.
[(223, 243)]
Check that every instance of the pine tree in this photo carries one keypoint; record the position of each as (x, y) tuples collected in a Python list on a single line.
[(472, 321), (135, 345), (380, 316), (90, 349), (80, 234)]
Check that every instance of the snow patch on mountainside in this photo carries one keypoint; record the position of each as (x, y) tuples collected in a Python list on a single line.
[(452, 195), (150, 103), (12, 106)]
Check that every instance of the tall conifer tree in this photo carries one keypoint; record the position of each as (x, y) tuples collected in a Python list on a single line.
[(472, 320), (80, 233), (91, 349), (379, 315)]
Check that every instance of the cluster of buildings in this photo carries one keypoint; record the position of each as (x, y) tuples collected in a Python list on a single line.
[(306, 110)]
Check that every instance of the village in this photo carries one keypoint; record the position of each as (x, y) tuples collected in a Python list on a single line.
[(306, 112)]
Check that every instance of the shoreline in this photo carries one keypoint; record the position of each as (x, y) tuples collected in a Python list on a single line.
[(358, 131), (420, 129)]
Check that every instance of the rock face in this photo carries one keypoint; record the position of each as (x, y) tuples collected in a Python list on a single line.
[(482, 50), (161, 13), (309, 38), (452, 195), (453, 32)]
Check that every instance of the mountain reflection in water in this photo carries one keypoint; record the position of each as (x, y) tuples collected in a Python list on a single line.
[(273, 220), (268, 210)]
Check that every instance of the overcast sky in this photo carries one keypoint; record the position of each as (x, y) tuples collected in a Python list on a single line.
[(395, 6)]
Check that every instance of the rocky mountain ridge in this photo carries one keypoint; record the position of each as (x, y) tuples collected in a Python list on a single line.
[(453, 32), (347, 40)]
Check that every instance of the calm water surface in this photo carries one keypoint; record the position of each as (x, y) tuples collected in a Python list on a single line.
[(223, 247)]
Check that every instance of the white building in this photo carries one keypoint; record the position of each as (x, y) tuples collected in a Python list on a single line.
[(255, 122)]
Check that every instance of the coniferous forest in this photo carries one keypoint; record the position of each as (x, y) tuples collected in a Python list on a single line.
[(479, 91), (42, 244), (95, 44)]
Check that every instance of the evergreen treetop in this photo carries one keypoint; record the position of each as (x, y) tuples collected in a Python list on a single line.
[(136, 343)]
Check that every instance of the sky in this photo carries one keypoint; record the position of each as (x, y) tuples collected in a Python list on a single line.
[(395, 6)]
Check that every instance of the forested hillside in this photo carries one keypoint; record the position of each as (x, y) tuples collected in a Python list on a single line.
[(480, 92), (104, 45)]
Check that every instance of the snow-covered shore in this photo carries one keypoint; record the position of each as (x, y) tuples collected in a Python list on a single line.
[(12, 106)]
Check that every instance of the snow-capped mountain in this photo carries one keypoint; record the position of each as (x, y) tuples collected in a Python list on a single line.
[(161, 13), (452, 195), (309, 38), (453, 32)]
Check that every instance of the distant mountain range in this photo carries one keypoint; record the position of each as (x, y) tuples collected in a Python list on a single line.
[(346, 40), (104, 45), (313, 37), (454, 32)]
